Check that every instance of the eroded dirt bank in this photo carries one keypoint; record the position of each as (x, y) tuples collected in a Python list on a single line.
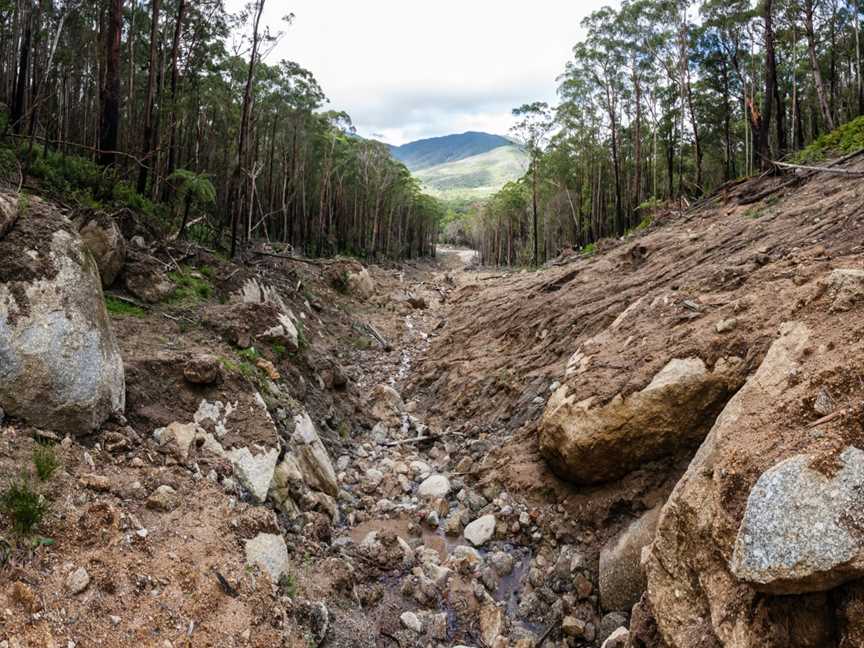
[(432, 454)]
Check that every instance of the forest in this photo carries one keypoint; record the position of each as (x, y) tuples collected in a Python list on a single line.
[(171, 107), (664, 102)]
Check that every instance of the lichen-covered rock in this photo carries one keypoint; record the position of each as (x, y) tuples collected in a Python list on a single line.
[(102, 237), (802, 529), (589, 444), (60, 367)]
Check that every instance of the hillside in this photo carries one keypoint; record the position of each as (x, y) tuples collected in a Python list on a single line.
[(431, 152), (477, 176)]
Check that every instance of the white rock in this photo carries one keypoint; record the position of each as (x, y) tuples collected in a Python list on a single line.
[(434, 486), (412, 622), (480, 531), (77, 581), (255, 471), (269, 552)]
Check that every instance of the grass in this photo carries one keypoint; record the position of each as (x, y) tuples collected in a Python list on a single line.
[(288, 585), (191, 286), (845, 139), (589, 250), (241, 367), (45, 460), (23, 504), (121, 308)]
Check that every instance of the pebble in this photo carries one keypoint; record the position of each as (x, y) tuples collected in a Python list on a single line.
[(480, 531), (434, 486), (77, 581), (412, 622)]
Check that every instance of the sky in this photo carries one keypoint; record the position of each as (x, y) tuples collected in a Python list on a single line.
[(411, 69)]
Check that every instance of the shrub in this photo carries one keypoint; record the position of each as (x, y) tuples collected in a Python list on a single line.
[(845, 139), (24, 506), (45, 460), (191, 286)]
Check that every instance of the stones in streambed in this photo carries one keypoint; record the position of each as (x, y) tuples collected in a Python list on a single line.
[(269, 552), (60, 367), (621, 578), (801, 530), (589, 443), (386, 405), (480, 531), (434, 486)]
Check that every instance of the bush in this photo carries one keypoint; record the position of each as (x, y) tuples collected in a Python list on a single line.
[(121, 308), (845, 139), (45, 460), (24, 506), (191, 286)]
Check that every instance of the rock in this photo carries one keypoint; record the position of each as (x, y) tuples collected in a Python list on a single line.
[(204, 369), (824, 404), (434, 486), (360, 283), (312, 457), (269, 552), (438, 626), (573, 627), (412, 622), (621, 579), (178, 436), (77, 581), (801, 530), (618, 639), (98, 483), (254, 471), (8, 212), (480, 531), (688, 573), (502, 563), (845, 287), (590, 444), (60, 367), (726, 325), (147, 282), (609, 624), (163, 498), (102, 238), (491, 623), (242, 323), (387, 405)]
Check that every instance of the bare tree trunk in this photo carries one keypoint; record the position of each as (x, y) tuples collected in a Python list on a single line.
[(20, 96), (763, 139), (172, 126), (814, 65), (109, 122), (149, 143)]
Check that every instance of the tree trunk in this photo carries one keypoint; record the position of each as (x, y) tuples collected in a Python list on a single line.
[(20, 96), (764, 132), (172, 126), (814, 65), (149, 143), (109, 122)]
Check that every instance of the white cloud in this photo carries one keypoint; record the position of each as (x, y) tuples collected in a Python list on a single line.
[(408, 69)]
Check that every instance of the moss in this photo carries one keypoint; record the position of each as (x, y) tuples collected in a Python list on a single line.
[(845, 139), (191, 286), (121, 308)]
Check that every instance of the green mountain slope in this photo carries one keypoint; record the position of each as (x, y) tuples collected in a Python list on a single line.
[(427, 153), (475, 177)]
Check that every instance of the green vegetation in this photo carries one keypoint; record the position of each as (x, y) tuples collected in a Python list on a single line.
[(846, 139), (192, 286), (122, 308), (45, 461), (249, 355), (589, 250), (288, 585), (24, 506), (476, 177)]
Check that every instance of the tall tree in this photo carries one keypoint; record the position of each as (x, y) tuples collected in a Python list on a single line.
[(109, 122)]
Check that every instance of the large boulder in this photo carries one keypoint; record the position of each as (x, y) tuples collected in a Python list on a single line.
[(696, 597), (621, 578), (311, 458), (60, 367), (102, 237), (587, 443), (801, 529)]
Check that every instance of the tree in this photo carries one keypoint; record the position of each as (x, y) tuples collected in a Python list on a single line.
[(109, 123)]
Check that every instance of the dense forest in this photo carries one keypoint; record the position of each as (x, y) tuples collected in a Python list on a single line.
[(170, 106), (665, 101)]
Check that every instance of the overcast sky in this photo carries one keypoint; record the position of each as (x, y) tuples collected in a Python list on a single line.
[(406, 69)]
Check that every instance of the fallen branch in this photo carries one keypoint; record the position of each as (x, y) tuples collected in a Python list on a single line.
[(384, 343), (844, 172), (393, 444), (292, 258), (830, 417)]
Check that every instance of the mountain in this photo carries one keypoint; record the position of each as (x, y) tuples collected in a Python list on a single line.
[(476, 176), (431, 152)]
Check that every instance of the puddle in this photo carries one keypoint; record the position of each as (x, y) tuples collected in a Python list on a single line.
[(435, 540)]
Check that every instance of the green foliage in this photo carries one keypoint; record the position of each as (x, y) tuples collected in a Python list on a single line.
[(846, 139), (197, 187), (192, 286), (240, 368), (8, 162), (45, 461), (589, 250), (122, 308), (24, 506), (288, 584), (249, 355), (279, 350)]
